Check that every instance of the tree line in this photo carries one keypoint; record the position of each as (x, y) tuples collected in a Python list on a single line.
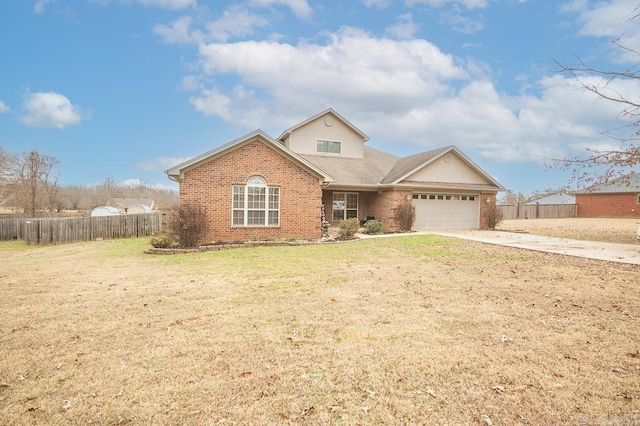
[(29, 186)]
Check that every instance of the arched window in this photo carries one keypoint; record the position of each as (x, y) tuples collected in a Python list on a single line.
[(256, 204)]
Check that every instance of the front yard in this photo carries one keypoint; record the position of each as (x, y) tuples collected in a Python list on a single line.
[(402, 330)]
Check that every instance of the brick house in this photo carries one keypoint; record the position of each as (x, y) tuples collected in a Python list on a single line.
[(258, 187), (618, 198)]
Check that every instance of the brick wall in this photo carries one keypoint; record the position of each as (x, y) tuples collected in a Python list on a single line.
[(383, 208), (608, 205), (209, 187), (380, 205)]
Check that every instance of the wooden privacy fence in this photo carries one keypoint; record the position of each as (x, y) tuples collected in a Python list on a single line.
[(538, 211), (69, 230)]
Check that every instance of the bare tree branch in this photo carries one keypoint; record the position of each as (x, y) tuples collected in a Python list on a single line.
[(600, 166)]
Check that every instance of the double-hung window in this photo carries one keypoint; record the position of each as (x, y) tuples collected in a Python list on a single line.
[(345, 205), (332, 147), (256, 204)]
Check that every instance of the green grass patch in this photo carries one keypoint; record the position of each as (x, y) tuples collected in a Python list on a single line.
[(14, 246)]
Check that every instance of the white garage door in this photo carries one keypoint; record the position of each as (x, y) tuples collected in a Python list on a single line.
[(446, 211)]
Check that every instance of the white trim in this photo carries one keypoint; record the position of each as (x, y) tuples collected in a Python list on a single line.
[(268, 192)]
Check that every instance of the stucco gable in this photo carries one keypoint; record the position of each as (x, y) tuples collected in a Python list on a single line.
[(407, 165), (329, 113), (444, 165), (328, 126), (177, 172)]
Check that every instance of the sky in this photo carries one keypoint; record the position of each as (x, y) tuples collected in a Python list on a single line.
[(125, 89)]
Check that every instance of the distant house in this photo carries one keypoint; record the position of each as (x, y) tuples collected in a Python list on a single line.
[(105, 211), (260, 187), (132, 205), (617, 198), (554, 199)]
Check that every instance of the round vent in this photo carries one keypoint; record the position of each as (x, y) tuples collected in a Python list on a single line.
[(448, 158), (328, 121)]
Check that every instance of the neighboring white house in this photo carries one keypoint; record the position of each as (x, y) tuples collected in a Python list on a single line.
[(132, 205), (555, 199), (105, 211)]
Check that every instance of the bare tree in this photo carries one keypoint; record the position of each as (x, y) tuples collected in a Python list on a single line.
[(33, 179), (511, 198), (5, 161), (601, 166), (106, 190)]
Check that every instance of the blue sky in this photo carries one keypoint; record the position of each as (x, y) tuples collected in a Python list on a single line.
[(128, 88)]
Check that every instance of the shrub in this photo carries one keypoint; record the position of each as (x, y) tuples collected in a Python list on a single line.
[(189, 223), (373, 226), (162, 240), (349, 227), (405, 216), (493, 215)]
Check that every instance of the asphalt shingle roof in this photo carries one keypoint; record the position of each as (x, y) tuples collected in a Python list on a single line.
[(356, 171), (627, 183)]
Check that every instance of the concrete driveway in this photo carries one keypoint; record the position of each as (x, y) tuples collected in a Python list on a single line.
[(624, 253)]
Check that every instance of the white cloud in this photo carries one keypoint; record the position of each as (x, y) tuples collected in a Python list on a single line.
[(242, 106), (380, 4), (401, 91), (190, 83), (461, 23), (404, 29), (4, 108), (612, 20), (351, 69), (212, 103), (40, 5), (132, 183), (609, 19), (469, 4), (135, 183), (50, 109), (522, 128), (159, 163), (179, 31), (235, 21), (300, 8), (574, 6)]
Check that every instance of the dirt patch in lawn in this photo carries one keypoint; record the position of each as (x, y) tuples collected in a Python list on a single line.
[(414, 329)]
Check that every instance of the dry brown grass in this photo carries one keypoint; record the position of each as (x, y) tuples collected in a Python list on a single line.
[(609, 230), (407, 330)]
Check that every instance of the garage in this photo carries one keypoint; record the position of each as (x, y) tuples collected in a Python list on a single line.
[(446, 211)]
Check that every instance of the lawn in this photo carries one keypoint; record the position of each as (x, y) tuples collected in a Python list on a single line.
[(393, 331)]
